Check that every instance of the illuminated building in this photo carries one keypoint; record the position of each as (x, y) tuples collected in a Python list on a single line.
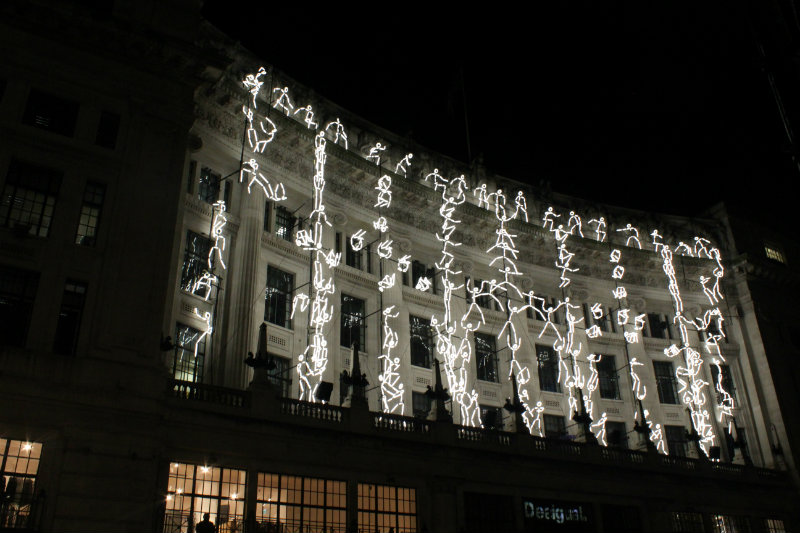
[(156, 189)]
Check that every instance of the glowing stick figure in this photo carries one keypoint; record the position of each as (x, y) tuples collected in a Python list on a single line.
[(303, 301), (615, 256), (597, 311), (574, 223), (404, 164), (384, 190), (380, 224), (657, 240), (684, 249), (638, 388), (216, 232), (205, 281), (205, 317), (594, 332), (622, 316), (522, 204), (423, 284), (338, 132), (638, 322), (712, 298), (633, 235), (619, 293), (357, 240), (655, 433), (403, 263), (276, 194), (537, 421), (387, 282), (309, 117), (631, 337), (483, 196), (618, 272), (375, 153), (385, 249), (256, 144), (549, 217), (600, 228), (700, 247), (719, 272), (254, 83), (601, 426), (438, 180), (547, 313), (283, 101)]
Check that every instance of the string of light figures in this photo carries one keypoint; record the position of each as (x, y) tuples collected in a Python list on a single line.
[(257, 144), (250, 168), (219, 222)]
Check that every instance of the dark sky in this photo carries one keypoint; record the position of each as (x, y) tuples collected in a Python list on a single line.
[(659, 108)]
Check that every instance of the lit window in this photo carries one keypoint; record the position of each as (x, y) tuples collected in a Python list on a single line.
[(421, 342), (17, 293), (547, 360), (486, 357), (90, 214), (278, 296), (294, 503), (51, 113), (193, 490), (69, 318), (729, 524), (608, 377), (353, 328), (29, 198), (774, 252), (665, 380), (773, 525), (187, 367), (554, 427), (208, 188), (19, 464), (195, 261), (381, 507)]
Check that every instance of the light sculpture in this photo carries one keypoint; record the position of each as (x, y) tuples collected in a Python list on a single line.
[(684, 249), (384, 189), (204, 282), (633, 235), (391, 387), (423, 284), (599, 228), (308, 118), (256, 143), (657, 240), (357, 240), (253, 83), (404, 165), (404, 263), (549, 218), (381, 224), (251, 168), (594, 332), (600, 426), (574, 223), (338, 132), (205, 317), (375, 153), (618, 272), (521, 204), (283, 102), (387, 282), (216, 231), (385, 249)]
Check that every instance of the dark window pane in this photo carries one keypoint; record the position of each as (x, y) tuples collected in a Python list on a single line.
[(208, 186), (107, 130), (421, 404), (617, 434), (665, 380), (554, 427), (421, 342), (51, 113), (492, 417), (280, 376), (195, 263), (90, 214), (608, 377), (353, 328), (547, 360), (676, 440), (190, 350), (284, 223), (278, 307), (727, 381), (29, 198), (486, 357), (352, 258), (17, 294), (69, 318)]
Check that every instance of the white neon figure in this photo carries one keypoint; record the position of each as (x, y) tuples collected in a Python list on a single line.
[(216, 231), (718, 273), (638, 388), (404, 263), (549, 217), (615, 256), (656, 434), (631, 337), (700, 247), (300, 301), (283, 101), (594, 332), (339, 132), (622, 316), (254, 83), (597, 311), (438, 181), (483, 196), (601, 429), (638, 322), (381, 224), (423, 284), (391, 387), (537, 421), (657, 240), (726, 402), (384, 189), (276, 193), (404, 165), (522, 205), (314, 360), (357, 240), (684, 249), (385, 249), (618, 272), (205, 317), (375, 153), (633, 235), (574, 223), (599, 228), (309, 116), (258, 144), (205, 281), (619, 292), (387, 282)]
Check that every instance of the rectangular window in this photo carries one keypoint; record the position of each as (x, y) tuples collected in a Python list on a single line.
[(278, 295), (687, 522), (554, 427), (421, 342), (17, 294), (381, 507), (353, 328), (190, 351), (486, 357), (605, 322), (195, 263), (727, 380), (295, 503), (284, 223), (208, 186), (773, 525), (492, 417), (19, 465), (51, 113), (730, 524), (484, 301), (665, 380), (659, 327), (352, 258), (608, 377), (547, 360), (69, 318), (421, 404), (280, 376), (775, 253), (676, 440), (617, 435), (267, 213), (193, 490), (29, 198), (107, 130), (89, 220)]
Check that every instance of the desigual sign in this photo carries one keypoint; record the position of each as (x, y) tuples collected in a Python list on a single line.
[(550, 515)]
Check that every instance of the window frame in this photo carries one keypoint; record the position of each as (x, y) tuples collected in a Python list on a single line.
[(91, 207), (30, 190), (277, 297), (346, 327), (487, 364), (546, 367), (420, 333), (609, 377), (666, 384)]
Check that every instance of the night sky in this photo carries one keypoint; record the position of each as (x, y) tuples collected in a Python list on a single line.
[(662, 108)]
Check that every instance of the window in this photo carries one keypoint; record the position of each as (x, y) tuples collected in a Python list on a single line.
[(352, 258), (547, 360), (353, 328), (686, 522), (284, 223), (29, 198), (17, 293), (659, 327), (278, 306), (93, 196), (676, 440), (617, 435), (51, 113), (193, 490), (69, 318), (208, 186), (381, 507), (554, 427), (420, 404), (294, 503), (190, 351), (773, 525), (486, 357), (280, 376), (492, 417), (730, 524), (421, 270), (608, 377), (107, 130), (195, 262), (605, 322), (19, 464), (421, 342), (267, 214), (665, 380), (727, 380), (775, 253)]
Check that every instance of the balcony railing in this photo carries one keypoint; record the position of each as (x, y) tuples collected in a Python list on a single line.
[(200, 392), (317, 411), (399, 423)]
